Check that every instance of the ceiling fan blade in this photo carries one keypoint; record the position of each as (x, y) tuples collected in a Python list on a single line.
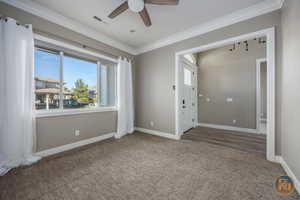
[(145, 16), (123, 7), (163, 2)]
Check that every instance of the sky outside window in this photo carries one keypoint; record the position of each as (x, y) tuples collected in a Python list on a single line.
[(47, 64), (73, 69)]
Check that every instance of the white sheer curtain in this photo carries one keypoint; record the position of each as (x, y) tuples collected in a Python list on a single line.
[(16, 95), (125, 99)]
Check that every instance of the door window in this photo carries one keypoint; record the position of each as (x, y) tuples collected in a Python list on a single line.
[(187, 74)]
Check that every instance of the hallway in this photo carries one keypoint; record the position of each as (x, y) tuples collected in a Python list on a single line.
[(246, 142)]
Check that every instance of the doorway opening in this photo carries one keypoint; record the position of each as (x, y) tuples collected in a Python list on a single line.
[(182, 92)]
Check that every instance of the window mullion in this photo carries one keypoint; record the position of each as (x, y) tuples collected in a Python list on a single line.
[(98, 83), (61, 81)]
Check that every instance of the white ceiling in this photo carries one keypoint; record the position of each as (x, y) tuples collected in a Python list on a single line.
[(167, 20)]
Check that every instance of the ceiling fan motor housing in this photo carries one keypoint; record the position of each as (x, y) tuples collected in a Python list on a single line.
[(136, 5)]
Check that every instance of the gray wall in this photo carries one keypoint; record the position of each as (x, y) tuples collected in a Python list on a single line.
[(291, 85), (226, 74), (57, 131), (155, 74)]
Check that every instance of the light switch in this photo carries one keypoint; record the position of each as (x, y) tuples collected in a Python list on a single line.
[(77, 133), (151, 123), (229, 100)]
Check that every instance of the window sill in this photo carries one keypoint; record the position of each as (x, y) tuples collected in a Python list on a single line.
[(41, 114)]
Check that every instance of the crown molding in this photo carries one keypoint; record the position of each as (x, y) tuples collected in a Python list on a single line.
[(233, 18), (71, 24)]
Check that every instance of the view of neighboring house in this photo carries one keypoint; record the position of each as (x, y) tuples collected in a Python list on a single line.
[(47, 94)]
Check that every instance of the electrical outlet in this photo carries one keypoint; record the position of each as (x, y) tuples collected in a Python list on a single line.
[(151, 123), (234, 121), (77, 133)]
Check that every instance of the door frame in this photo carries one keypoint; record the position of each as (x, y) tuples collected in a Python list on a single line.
[(182, 59), (258, 92), (270, 35)]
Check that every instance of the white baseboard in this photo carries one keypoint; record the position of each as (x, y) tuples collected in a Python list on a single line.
[(67, 147), (158, 133), (229, 128), (289, 172), (278, 159)]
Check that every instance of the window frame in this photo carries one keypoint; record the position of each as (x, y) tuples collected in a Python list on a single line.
[(98, 57)]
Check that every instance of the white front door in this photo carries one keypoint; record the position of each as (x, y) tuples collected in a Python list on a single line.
[(189, 95)]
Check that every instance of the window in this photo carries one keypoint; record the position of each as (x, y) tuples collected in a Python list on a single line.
[(190, 58), (66, 82), (187, 74), (108, 80), (80, 83), (47, 80)]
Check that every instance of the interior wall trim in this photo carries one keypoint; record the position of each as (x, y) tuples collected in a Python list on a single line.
[(67, 147), (54, 17), (269, 33), (158, 133), (229, 128), (289, 172), (262, 8)]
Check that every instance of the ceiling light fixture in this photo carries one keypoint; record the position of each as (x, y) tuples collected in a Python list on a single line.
[(136, 5)]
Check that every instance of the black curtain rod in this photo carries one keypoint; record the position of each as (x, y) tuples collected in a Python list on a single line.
[(19, 24)]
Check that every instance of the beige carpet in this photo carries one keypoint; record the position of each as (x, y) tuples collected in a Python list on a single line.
[(142, 167)]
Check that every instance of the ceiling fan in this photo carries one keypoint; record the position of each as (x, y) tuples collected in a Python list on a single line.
[(138, 6)]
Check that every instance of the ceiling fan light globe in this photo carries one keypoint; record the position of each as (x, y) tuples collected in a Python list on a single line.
[(136, 5)]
